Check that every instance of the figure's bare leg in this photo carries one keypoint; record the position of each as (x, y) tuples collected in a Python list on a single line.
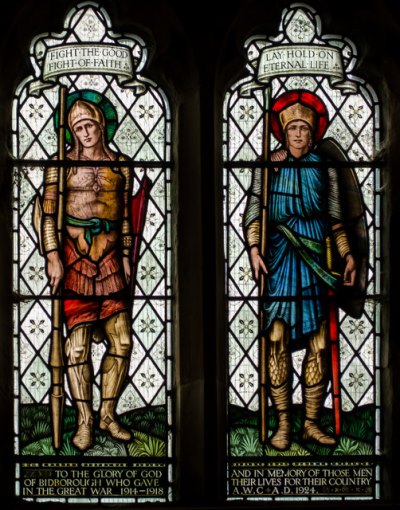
[(280, 370), (315, 371), (80, 381), (114, 370)]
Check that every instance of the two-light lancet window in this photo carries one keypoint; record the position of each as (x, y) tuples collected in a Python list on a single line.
[(93, 331)]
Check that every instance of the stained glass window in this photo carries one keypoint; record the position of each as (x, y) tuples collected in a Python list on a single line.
[(302, 202), (91, 141)]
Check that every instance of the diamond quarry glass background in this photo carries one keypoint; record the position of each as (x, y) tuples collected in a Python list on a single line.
[(96, 65), (301, 60)]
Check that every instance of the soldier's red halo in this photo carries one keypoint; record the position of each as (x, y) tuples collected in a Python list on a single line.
[(306, 98)]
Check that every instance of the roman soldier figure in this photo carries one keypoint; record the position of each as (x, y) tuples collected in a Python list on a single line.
[(92, 266), (306, 230)]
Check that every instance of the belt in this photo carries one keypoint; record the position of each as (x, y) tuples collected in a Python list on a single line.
[(93, 226), (304, 246)]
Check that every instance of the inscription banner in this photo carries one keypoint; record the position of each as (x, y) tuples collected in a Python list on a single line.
[(66, 59), (78, 58), (299, 59), (254, 479), (94, 479)]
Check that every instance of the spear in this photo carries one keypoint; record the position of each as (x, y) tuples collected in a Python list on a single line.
[(261, 289), (56, 352)]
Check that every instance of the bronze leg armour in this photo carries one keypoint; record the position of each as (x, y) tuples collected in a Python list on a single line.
[(80, 376), (315, 369), (280, 371), (114, 370)]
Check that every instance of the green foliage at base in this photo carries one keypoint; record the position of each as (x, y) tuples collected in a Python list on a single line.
[(357, 437), (148, 427)]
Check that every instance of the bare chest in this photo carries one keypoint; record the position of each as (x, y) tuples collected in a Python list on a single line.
[(94, 179)]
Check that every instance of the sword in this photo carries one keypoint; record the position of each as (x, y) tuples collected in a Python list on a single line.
[(334, 341), (139, 203)]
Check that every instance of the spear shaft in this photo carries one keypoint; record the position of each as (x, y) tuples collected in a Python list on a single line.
[(56, 354), (263, 245)]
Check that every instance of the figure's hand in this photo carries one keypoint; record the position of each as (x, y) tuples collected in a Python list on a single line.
[(257, 263), (127, 268), (279, 155), (55, 270), (349, 276)]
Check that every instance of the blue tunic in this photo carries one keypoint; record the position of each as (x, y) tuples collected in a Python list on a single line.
[(298, 224)]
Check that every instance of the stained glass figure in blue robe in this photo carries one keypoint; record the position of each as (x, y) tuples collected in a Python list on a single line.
[(304, 229)]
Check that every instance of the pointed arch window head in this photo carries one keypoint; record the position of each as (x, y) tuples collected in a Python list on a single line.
[(302, 250), (92, 269)]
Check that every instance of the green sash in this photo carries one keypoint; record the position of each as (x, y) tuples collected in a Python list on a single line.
[(93, 226), (304, 246)]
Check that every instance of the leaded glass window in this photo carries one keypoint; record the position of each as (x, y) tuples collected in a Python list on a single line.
[(302, 202), (91, 141)]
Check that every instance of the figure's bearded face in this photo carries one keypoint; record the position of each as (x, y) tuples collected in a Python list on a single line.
[(298, 136)]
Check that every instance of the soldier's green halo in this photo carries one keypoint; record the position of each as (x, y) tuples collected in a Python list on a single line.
[(109, 112)]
